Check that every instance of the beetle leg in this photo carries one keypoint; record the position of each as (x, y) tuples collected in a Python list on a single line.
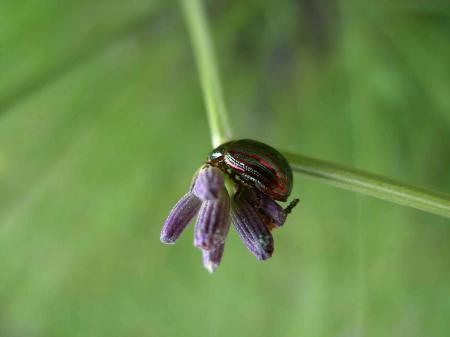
[(238, 183), (258, 200), (291, 205), (238, 189)]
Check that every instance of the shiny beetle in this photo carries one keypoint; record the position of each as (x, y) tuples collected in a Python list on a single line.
[(257, 165)]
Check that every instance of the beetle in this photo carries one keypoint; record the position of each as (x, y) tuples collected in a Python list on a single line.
[(255, 165)]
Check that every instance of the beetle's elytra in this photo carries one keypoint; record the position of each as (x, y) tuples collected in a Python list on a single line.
[(255, 164)]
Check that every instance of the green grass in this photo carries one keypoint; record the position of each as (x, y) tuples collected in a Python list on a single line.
[(102, 125)]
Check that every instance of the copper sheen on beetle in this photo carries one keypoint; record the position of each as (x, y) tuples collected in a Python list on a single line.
[(255, 165)]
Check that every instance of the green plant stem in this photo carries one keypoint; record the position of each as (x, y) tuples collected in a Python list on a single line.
[(370, 184), (212, 92), (340, 176)]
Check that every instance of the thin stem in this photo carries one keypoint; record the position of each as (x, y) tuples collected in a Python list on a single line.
[(370, 184), (212, 92)]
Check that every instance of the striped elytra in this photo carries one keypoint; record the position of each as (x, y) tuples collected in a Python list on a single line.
[(255, 164)]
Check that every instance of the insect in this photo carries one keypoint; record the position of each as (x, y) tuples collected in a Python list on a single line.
[(255, 165)]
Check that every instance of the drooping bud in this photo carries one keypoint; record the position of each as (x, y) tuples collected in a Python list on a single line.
[(180, 216), (212, 258), (251, 228), (208, 183), (213, 222), (272, 213)]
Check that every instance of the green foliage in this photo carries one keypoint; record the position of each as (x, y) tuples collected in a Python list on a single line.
[(102, 125)]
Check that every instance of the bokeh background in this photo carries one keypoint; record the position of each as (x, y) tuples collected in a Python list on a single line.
[(102, 125)]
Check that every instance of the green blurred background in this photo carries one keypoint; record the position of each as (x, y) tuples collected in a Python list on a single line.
[(102, 125)]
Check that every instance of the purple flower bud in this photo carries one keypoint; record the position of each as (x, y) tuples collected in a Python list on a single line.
[(273, 211), (251, 228), (211, 258), (273, 214), (213, 222), (179, 217), (208, 183)]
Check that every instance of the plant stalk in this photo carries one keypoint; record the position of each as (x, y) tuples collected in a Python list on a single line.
[(218, 120), (370, 184)]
